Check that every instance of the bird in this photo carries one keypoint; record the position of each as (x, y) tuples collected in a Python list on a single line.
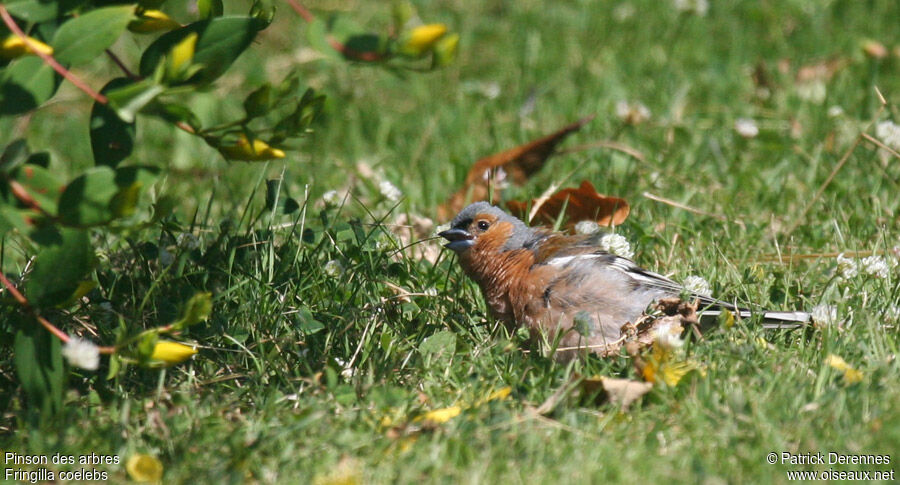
[(565, 288)]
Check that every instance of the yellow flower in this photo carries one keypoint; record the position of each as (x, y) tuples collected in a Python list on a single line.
[(150, 21), (144, 468), (851, 375), (663, 365), (172, 352), (181, 55), (244, 150), (421, 39), (442, 415), (14, 46)]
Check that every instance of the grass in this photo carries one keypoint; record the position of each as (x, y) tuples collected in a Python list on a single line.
[(318, 372)]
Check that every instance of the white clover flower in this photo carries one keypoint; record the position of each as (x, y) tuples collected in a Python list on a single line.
[(81, 353), (746, 127), (334, 268), (835, 111), (587, 227), (632, 113), (824, 315), (616, 244), (346, 371), (846, 267), (698, 7), (188, 241), (697, 285), (668, 335), (889, 133), (875, 266), (389, 190), (331, 198)]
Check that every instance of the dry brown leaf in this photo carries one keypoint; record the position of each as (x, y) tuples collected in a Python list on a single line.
[(621, 392), (583, 203), (517, 163)]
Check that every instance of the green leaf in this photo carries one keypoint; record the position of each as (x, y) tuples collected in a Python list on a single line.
[(221, 40), (15, 154), (210, 8), (40, 184), (263, 10), (25, 84), (197, 310), (317, 35), (129, 99), (37, 11), (174, 113), (102, 194), (259, 102), (39, 366), (85, 37), (307, 324), (112, 139), (59, 267), (443, 342), (12, 218)]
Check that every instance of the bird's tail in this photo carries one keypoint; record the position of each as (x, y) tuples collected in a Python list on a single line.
[(782, 320)]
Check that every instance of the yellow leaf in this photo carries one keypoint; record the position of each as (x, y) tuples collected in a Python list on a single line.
[(442, 415), (172, 352), (144, 468), (14, 46), (242, 149), (150, 21)]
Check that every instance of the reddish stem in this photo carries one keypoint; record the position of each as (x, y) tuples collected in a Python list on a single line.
[(8, 20), (301, 10), (21, 300)]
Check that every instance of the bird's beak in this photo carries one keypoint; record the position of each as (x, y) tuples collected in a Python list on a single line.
[(460, 239)]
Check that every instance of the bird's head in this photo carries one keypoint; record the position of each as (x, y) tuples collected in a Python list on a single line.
[(486, 226)]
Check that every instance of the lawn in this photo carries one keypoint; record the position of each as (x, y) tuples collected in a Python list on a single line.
[(752, 140)]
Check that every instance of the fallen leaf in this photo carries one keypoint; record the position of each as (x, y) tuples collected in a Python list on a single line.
[(517, 164), (621, 392), (581, 204)]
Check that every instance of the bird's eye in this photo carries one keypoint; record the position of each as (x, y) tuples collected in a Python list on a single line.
[(483, 225)]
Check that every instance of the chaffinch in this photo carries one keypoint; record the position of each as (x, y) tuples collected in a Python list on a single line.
[(566, 288)]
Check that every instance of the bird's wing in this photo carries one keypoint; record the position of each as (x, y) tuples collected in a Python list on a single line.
[(593, 258)]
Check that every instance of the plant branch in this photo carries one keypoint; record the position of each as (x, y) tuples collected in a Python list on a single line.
[(21, 300), (11, 23)]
